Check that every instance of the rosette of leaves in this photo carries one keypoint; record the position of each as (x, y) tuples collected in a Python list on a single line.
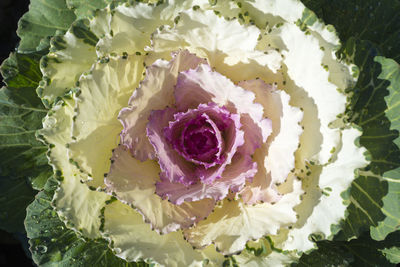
[(323, 170)]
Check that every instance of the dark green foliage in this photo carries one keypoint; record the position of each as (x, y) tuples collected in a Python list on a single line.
[(359, 252), (375, 21), (23, 161)]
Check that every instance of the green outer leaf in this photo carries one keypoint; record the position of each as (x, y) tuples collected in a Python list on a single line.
[(85, 9), (359, 252), (48, 18), (53, 244), (392, 254), (327, 254), (21, 113), (366, 109), (15, 196), (391, 207), (391, 73), (376, 21), (22, 70), (45, 18), (22, 156)]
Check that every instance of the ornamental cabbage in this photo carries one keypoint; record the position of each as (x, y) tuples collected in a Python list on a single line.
[(227, 136), (198, 133)]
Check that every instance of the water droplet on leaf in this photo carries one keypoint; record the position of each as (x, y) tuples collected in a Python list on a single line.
[(41, 249)]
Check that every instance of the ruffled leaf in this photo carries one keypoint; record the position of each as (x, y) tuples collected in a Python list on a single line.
[(76, 204), (133, 182), (127, 30), (96, 127), (154, 93), (222, 42), (203, 85), (286, 128), (53, 244), (128, 27), (70, 55), (185, 181), (132, 239), (263, 253), (303, 48), (332, 181), (233, 178), (44, 19), (261, 11), (233, 223)]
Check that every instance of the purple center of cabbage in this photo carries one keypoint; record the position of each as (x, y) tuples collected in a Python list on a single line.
[(198, 140), (198, 135)]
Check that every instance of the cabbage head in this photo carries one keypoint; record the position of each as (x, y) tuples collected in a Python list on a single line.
[(204, 133)]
